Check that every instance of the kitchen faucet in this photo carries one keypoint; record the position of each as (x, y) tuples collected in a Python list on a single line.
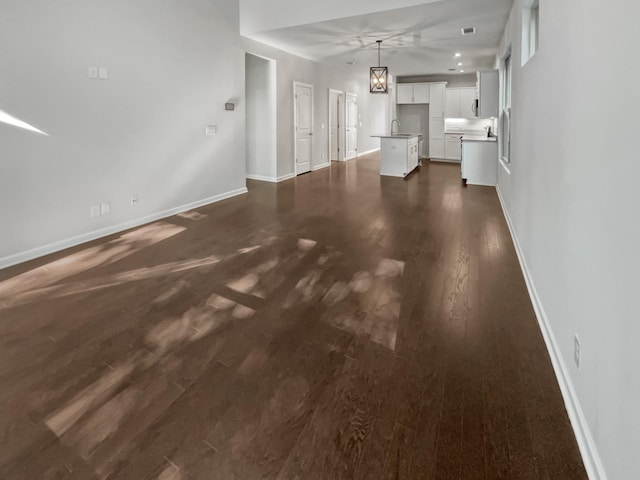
[(395, 120)]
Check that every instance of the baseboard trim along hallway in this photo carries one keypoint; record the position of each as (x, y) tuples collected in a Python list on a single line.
[(588, 449), (362, 154), (54, 247), (321, 166)]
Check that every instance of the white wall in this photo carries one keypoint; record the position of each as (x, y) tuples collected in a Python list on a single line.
[(372, 109), (172, 67), (572, 196), (261, 117)]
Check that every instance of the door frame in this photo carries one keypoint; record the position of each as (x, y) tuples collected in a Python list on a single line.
[(346, 156), (273, 154), (295, 123), (342, 115)]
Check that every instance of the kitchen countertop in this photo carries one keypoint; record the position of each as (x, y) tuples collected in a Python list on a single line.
[(400, 135), (472, 138)]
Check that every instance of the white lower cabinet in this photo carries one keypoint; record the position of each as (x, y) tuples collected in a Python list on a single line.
[(436, 138), (413, 158), (399, 156), (436, 148), (480, 163), (453, 147)]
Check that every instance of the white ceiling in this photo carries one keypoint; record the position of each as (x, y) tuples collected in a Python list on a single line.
[(417, 40)]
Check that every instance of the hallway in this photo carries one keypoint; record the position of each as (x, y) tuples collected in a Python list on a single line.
[(337, 325)]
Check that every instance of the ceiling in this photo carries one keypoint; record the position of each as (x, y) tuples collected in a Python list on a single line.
[(417, 40)]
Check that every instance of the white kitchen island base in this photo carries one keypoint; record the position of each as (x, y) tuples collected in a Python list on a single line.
[(479, 161), (399, 154)]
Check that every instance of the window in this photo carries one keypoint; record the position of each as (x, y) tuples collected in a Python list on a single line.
[(530, 30), (505, 115), (506, 82)]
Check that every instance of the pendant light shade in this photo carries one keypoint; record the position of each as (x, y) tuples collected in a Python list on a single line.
[(379, 76)]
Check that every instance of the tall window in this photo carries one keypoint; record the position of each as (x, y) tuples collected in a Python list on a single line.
[(505, 115), (530, 30)]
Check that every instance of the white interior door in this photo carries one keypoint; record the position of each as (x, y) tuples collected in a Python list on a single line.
[(303, 126), (352, 125), (336, 115)]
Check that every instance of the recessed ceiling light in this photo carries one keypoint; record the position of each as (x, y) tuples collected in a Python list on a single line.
[(461, 71), (457, 55), (459, 64)]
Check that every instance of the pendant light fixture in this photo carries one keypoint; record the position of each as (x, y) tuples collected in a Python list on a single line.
[(379, 76)]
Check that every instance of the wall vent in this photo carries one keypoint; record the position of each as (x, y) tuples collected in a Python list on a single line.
[(469, 31)]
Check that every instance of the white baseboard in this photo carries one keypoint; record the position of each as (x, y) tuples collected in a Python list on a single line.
[(288, 176), (362, 154), (444, 160), (588, 449), (321, 166), (262, 178), (37, 252)]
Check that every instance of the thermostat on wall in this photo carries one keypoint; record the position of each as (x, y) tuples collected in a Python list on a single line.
[(229, 106)]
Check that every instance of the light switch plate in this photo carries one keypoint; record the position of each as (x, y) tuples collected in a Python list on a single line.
[(95, 211), (93, 73), (103, 73), (105, 208), (210, 130)]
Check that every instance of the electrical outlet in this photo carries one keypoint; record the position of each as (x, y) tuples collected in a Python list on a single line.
[(105, 208), (210, 130), (103, 73), (135, 199), (322, 156), (95, 211), (93, 73), (577, 350)]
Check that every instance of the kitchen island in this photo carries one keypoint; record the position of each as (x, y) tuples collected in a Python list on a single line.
[(479, 160), (399, 153)]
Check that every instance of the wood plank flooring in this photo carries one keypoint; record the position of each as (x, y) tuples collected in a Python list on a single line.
[(336, 326)]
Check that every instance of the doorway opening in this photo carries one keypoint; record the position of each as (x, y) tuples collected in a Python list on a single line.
[(336, 125), (261, 118)]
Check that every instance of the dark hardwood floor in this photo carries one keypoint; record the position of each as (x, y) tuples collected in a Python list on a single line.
[(336, 326)]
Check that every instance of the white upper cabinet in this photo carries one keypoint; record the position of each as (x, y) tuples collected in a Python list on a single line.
[(421, 93), (460, 102), (488, 94), (413, 93), (467, 102), (437, 100), (405, 93)]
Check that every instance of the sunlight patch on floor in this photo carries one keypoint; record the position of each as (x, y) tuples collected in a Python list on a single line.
[(89, 258), (193, 216)]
